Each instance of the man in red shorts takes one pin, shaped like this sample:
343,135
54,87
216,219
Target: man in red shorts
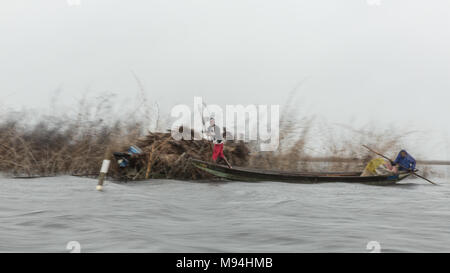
214,132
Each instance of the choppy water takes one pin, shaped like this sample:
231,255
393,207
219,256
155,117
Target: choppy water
43,215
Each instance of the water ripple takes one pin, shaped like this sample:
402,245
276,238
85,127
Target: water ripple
43,215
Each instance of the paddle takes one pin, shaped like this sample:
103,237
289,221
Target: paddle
413,172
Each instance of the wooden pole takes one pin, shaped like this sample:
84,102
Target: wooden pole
103,171
385,157
149,163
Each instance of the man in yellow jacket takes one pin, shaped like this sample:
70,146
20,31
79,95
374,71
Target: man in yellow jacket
379,166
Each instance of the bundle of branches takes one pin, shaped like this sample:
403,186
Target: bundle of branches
165,157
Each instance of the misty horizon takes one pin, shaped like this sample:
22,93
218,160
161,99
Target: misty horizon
366,62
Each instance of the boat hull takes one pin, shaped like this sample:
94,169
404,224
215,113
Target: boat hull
254,175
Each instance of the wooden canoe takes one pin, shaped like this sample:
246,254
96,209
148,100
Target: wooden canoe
257,175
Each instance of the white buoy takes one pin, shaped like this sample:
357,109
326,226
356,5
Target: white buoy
103,172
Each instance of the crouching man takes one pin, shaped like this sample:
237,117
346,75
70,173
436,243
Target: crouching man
405,161
379,166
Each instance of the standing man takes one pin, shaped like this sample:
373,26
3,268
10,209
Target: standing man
214,132
405,161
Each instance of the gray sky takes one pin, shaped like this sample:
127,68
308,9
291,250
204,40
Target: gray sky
360,61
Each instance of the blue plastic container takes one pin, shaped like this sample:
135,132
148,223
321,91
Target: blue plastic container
134,150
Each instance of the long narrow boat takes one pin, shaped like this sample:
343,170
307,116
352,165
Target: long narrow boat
256,175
